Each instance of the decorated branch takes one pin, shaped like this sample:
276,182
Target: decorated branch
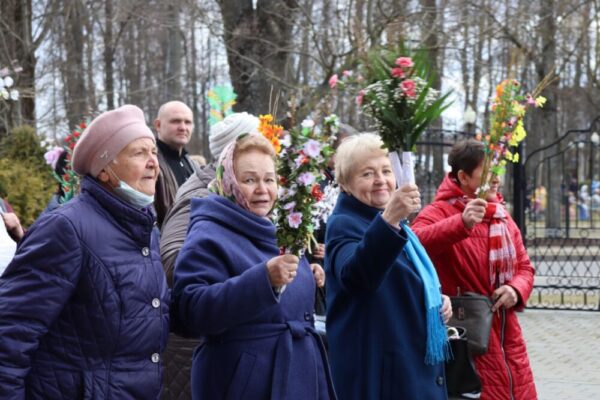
506,128
396,94
303,156
69,180
221,100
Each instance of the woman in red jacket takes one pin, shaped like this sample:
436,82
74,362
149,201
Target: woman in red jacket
476,247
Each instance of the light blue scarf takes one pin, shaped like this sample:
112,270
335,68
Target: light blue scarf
438,349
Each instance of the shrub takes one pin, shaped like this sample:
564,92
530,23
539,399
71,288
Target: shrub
24,175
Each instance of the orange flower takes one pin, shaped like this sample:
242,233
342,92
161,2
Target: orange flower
270,131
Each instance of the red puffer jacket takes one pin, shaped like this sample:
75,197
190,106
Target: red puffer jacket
460,256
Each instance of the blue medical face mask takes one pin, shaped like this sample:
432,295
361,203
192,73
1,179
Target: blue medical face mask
132,196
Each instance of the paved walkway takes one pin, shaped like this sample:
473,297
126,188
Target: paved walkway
564,350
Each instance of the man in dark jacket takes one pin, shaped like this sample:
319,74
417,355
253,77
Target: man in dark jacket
174,126
178,357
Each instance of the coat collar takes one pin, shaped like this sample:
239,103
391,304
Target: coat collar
169,152
348,203
228,214
137,223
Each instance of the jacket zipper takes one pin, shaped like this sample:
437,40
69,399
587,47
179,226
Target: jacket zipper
510,380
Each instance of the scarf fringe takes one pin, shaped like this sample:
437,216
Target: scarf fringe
438,348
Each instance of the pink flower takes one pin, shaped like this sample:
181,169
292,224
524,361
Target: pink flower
346,73
359,98
398,73
312,148
306,179
404,62
51,156
333,81
530,100
294,220
409,87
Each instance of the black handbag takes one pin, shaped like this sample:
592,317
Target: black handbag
473,312
462,379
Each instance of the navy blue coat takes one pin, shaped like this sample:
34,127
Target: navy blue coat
376,320
84,304
259,345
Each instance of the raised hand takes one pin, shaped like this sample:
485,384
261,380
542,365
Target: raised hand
474,212
403,202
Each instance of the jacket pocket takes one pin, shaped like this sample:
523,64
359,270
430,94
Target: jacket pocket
241,376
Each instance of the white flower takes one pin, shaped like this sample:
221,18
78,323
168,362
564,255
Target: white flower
282,193
308,123
286,141
4,94
289,206
332,119
8,81
14,95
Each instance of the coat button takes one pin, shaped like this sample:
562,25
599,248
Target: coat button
145,251
307,316
155,358
155,303
439,380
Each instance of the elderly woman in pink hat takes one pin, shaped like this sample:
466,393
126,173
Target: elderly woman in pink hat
84,309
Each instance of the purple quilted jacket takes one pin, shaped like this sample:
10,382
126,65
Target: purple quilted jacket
84,304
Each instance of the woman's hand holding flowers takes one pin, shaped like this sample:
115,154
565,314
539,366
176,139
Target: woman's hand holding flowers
474,212
319,251
282,269
403,202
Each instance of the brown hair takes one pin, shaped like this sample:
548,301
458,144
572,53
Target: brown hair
465,155
251,142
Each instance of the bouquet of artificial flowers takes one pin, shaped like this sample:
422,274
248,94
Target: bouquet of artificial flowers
304,152
399,99
506,128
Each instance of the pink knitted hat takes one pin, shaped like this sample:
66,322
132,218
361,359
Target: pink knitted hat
106,136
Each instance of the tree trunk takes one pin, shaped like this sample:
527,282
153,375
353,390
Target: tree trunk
258,42
174,54
109,54
546,121
73,68
18,52
431,43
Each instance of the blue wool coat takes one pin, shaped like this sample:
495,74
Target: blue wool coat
259,345
84,304
376,319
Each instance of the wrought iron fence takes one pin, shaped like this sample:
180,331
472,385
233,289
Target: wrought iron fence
561,221
431,159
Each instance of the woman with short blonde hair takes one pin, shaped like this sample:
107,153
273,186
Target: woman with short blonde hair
385,333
